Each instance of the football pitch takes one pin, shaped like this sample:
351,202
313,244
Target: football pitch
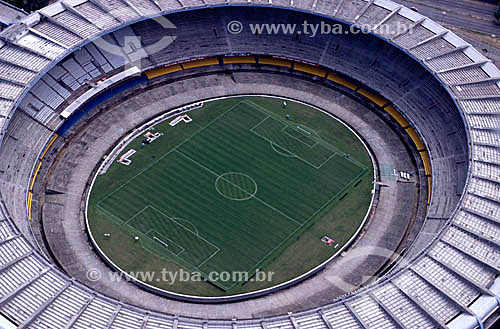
231,190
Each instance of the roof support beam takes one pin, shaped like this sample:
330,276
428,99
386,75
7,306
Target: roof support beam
450,52
100,5
486,80
161,9
338,7
479,98
53,21
363,10
180,3
15,261
293,321
77,13
483,290
431,316
13,82
80,312
47,38
461,67
388,17
13,237
145,321
479,236
445,293
27,323
5,299
356,316
134,8
488,217
325,319
32,51
6,61
386,310
113,316
434,37
416,24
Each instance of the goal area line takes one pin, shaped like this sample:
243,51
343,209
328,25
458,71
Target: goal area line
207,260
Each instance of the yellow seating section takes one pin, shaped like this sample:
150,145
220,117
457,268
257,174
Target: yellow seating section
429,183
377,99
311,69
275,61
427,162
200,63
397,116
239,60
341,81
415,138
163,71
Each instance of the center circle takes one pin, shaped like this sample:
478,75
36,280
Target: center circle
291,193
236,186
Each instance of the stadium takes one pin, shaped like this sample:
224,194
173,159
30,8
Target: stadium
360,168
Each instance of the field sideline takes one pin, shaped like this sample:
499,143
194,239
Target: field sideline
230,191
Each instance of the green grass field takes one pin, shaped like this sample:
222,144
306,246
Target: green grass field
235,190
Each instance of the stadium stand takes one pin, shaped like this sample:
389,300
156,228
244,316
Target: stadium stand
452,283
341,81
239,60
163,71
274,61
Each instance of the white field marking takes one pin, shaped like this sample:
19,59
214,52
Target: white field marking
317,167
337,194
127,222
360,165
137,214
170,218
163,243
326,160
206,260
273,146
196,133
189,222
199,237
255,197
297,156
307,221
301,141
261,122
249,195
308,133
269,253
186,228
326,144
284,148
265,203
293,232
266,111
173,242
166,249
109,213
166,154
